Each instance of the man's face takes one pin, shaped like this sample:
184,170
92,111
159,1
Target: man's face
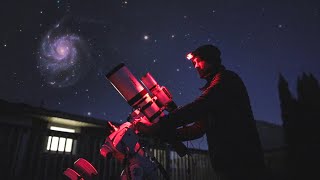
203,68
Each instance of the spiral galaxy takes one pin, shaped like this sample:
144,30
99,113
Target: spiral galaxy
63,57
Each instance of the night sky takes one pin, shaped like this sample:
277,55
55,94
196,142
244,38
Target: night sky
55,54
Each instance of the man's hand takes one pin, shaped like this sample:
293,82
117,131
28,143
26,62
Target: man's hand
161,129
146,127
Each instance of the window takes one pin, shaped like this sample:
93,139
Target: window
60,144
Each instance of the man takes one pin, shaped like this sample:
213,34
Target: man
223,113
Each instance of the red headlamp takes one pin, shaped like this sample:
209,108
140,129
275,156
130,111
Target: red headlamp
190,56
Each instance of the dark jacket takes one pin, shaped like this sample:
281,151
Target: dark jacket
224,113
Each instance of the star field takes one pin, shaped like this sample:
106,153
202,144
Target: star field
258,40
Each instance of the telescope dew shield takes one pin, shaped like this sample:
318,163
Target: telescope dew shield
149,81
133,92
126,84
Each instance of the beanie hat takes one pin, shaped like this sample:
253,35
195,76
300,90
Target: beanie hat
208,52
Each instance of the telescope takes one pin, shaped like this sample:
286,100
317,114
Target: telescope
149,101
151,105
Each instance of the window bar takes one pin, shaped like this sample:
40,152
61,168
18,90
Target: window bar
58,145
50,143
65,145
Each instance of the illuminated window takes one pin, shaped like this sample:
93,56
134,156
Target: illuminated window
60,144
